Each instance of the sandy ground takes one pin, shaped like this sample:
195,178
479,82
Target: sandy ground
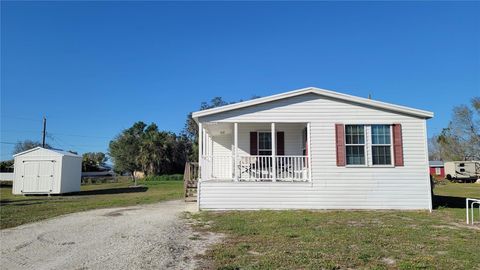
151,236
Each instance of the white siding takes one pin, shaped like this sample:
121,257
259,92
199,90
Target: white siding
332,187
71,174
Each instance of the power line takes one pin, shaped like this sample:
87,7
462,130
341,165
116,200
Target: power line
20,118
78,135
62,134
17,130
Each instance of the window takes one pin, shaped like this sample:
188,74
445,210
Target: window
264,143
438,171
355,144
381,145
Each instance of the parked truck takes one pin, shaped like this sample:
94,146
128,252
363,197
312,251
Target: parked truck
462,171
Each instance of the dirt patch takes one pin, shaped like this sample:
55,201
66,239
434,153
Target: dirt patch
117,213
458,226
389,261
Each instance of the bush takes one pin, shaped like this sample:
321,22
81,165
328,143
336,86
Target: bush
99,180
165,177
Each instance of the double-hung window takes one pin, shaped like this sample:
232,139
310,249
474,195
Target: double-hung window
381,145
355,144
378,145
264,143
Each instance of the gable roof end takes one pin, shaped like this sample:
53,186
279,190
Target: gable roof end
58,151
318,91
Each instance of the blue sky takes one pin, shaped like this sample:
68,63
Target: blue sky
94,68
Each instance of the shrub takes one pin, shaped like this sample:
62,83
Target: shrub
164,177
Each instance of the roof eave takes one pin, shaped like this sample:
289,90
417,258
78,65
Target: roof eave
27,151
322,92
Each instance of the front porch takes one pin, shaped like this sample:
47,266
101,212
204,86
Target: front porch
243,152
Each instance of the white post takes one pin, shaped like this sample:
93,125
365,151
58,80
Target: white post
466,209
200,161
210,152
309,156
235,151
274,152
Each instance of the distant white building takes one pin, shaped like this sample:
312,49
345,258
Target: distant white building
313,149
46,171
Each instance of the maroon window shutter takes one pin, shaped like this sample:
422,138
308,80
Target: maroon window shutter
253,144
280,143
397,144
340,142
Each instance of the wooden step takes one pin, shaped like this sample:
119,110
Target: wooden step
191,199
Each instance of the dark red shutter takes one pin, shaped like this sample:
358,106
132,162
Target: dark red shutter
397,144
340,144
253,144
280,143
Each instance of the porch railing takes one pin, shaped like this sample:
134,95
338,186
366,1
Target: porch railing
217,167
255,168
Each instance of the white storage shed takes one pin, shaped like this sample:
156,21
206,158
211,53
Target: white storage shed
46,171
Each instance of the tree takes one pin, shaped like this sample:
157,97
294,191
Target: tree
461,139
91,161
6,166
434,149
145,148
125,149
25,145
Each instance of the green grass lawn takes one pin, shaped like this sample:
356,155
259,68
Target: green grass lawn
17,210
348,239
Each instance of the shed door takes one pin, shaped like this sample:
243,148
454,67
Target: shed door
38,176
30,172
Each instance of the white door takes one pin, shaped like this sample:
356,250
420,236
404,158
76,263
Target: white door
45,175
30,173
38,176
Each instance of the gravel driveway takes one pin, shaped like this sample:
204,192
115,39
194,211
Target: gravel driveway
150,236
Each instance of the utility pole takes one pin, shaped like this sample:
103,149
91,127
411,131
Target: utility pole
44,131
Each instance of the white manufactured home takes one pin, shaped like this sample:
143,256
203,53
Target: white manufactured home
46,171
313,149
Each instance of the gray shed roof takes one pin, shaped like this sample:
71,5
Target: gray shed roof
58,151
435,163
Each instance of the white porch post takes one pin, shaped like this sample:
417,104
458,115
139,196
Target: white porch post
309,156
210,151
200,146
274,152
235,151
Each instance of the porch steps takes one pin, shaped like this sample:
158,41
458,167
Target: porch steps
191,195
190,179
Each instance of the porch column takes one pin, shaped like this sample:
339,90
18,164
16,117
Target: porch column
210,152
200,146
274,152
235,151
309,153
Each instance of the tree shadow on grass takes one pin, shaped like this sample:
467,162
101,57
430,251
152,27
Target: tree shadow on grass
22,202
448,201
109,191
44,198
